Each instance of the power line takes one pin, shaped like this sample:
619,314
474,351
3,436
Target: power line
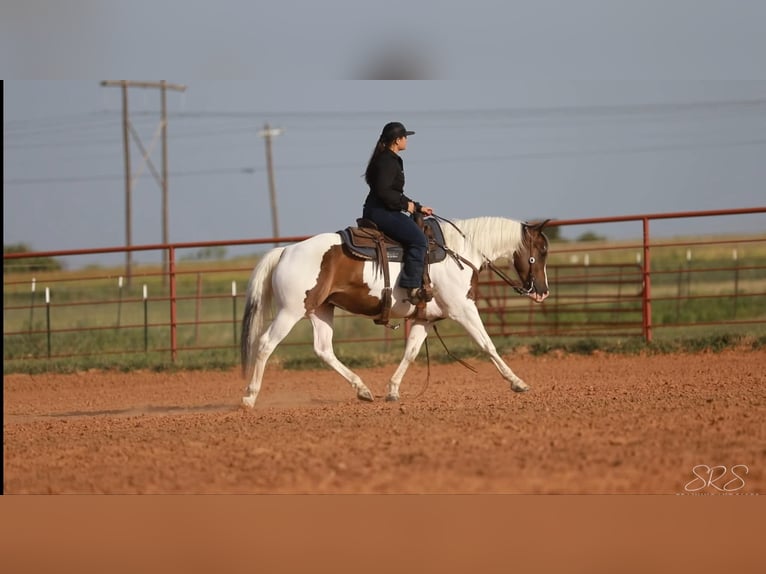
98,141
414,161
519,112
498,119
694,141
530,111
116,177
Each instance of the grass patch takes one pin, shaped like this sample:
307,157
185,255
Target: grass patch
715,343
635,346
584,347
543,347
304,359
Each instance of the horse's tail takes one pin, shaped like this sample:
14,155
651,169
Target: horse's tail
257,305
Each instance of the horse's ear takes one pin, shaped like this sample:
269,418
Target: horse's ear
539,225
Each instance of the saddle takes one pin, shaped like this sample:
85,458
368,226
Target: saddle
367,242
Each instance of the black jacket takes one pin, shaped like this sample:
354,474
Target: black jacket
386,181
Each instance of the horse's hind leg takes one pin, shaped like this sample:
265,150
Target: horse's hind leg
322,321
417,335
279,329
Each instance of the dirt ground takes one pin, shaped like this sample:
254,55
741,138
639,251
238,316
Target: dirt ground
671,424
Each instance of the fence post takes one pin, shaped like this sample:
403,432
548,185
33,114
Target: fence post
119,300
586,280
173,310
647,297
198,308
678,290
146,319
234,310
736,279
557,307
48,317
32,305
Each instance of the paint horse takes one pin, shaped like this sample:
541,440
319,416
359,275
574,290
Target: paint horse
311,278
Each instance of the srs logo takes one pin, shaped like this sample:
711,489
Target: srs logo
719,477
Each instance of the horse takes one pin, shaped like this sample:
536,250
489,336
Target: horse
309,279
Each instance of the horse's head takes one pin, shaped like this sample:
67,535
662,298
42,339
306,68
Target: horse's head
530,258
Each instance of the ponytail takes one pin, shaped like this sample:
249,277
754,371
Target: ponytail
377,150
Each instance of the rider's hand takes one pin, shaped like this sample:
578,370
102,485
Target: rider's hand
425,210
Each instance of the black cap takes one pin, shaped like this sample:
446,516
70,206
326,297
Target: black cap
393,130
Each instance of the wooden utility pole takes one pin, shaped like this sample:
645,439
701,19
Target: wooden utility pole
267,133
162,180
128,185
164,123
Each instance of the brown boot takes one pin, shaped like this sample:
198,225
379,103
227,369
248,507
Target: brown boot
417,295
414,295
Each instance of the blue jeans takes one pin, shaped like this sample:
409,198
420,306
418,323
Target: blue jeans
402,228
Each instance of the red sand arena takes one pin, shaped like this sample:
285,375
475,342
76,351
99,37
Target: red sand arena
674,424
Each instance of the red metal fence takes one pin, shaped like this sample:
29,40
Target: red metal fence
599,289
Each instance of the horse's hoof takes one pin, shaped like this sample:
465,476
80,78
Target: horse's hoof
392,398
248,402
365,395
522,388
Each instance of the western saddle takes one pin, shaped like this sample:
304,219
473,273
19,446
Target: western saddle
367,242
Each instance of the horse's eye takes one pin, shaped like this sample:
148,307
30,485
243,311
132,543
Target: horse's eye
531,260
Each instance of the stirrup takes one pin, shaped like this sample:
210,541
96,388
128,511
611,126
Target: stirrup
417,295
414,295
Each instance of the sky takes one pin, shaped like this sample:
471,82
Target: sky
527,110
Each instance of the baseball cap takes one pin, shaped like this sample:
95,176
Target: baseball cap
393,130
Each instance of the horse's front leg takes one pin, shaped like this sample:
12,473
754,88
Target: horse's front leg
470,319
418,333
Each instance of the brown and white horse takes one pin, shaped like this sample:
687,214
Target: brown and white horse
309,279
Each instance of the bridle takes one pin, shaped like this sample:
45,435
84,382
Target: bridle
487,262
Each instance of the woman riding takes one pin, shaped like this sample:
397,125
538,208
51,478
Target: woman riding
391,210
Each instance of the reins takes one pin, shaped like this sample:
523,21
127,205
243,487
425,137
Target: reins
516,287
459,259
487,262
449,354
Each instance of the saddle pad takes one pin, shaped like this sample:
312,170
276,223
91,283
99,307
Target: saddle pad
360,242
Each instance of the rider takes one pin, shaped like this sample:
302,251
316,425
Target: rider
391,210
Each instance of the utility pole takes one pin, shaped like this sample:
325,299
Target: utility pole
164,124
127,128
267,133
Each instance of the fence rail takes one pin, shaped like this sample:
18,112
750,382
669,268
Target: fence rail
599,289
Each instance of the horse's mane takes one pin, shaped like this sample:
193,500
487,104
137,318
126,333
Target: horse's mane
491,236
